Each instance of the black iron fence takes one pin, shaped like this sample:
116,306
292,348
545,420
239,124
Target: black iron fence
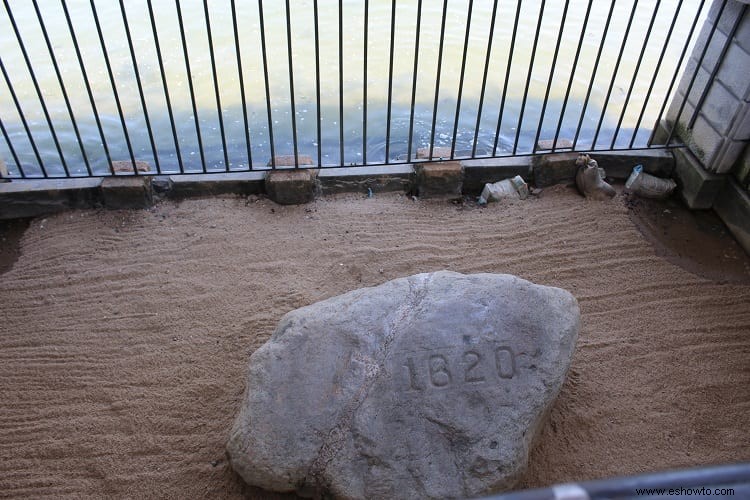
192,86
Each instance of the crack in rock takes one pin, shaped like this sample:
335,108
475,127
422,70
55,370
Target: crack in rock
341,431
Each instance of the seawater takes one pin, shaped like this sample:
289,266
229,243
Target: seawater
356,147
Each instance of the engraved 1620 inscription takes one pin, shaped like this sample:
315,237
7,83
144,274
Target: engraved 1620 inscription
444,368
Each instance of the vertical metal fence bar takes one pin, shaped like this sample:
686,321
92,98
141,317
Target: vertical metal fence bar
61,83
87,84
437,79
317,82
488,56
635,74
697,70
614,76
191,88
414,81
528,77
265,79
390,84
364,85
461,79
715,69
24,122
241,76
12,149
291,83
163,74
219,108
508,68
593,74
675,74
657,69
38,89
139,84
115,93
341,82
572,74
549,80
122,98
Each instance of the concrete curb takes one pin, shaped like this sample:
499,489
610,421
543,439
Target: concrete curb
29,198
733,207
32,197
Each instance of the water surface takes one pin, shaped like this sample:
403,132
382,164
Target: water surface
594,98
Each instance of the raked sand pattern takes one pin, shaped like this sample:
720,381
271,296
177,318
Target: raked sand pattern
124,336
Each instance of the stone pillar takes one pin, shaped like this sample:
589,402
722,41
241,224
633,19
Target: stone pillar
722,127
714,170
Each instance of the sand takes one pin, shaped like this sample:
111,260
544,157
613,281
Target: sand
124,336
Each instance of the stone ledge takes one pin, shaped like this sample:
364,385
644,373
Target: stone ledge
397,177
291,187
438,152
559,168
193,185
733,207
477,173
126,192
619,164
439,179
556,168
32,197
281,161
127,167
698,187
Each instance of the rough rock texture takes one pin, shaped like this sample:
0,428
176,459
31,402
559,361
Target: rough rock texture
430,386
127,192
126,167
291,187
439,179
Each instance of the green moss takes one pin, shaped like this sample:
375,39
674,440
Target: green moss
686,135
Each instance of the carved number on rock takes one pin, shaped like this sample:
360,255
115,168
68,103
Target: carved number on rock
506,364
438,371
413,382
440,376
472,359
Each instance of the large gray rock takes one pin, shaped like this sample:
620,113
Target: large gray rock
431,386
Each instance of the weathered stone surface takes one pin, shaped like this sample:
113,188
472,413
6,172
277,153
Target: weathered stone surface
126,167
438,152
195,185
555,168
477,173
430,386
291,187
288,160
439,179
32,197
550,144
127,192
619,164
358,179
698,187
733,206
161,184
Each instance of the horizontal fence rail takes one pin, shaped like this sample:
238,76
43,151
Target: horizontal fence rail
190,86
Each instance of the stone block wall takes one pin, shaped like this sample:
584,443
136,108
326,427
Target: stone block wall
741,171
714,170
722,128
